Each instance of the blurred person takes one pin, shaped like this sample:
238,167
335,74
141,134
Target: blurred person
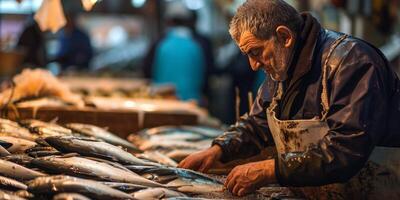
177,58
75,47
331,113
32,42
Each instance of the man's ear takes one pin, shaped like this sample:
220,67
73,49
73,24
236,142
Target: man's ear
285,36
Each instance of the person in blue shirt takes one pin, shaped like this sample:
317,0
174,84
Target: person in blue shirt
75,46
178,59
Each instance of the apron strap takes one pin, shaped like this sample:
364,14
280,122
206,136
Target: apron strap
324,95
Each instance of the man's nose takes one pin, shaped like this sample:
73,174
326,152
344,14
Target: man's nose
255,65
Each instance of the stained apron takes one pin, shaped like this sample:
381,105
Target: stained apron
379,178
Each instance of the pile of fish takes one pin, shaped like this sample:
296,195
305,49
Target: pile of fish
40,160
170,144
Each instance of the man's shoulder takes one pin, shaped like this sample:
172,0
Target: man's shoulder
352,49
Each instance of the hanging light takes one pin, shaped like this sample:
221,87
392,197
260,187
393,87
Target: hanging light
88,4
194,4
138,3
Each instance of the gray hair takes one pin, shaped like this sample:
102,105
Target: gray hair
262,17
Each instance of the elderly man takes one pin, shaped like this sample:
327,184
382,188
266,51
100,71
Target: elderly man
333,101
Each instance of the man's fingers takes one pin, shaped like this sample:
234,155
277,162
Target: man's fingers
231,184
243,191
182,164
205,166
229,177
236,189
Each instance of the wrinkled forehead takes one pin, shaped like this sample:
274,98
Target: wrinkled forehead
248,40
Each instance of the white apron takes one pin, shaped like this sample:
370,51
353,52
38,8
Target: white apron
379,177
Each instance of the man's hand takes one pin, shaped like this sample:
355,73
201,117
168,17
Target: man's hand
247,178
203,160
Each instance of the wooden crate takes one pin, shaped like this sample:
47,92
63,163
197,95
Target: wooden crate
120,122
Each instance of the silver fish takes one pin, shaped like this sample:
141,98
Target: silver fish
127,187
195,186
100,133
3,151
70,196
180,154
94,148
182,173
16,131
90,168
156,156
20,159
8,122
9,196
57,184
44,128
18,145
156,194
15,171
11,183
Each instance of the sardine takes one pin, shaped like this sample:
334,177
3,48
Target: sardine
15,171
3,152
70,196
180,154
8,196
20,159
8,183
100,133
8,122
45,128
16,131
94,148
174,144
156,194
18,145
127,187
195,186
182,173
92,189
85,167
156,156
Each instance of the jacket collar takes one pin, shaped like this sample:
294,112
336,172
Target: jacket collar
302,60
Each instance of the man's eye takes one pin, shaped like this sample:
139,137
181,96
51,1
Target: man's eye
254,52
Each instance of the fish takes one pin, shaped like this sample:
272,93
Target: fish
100,133
18,145
8,183
8,122
9,196
127,187
174,144
179,172
18,172
156,193
44,128
21,159
203,131
61,183
180,154
3,151
156,156
78,166
195,186
90,147
70,196
16,131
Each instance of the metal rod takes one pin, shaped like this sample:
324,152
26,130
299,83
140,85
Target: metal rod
237,106
250,99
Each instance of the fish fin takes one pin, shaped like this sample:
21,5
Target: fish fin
5,144
68,155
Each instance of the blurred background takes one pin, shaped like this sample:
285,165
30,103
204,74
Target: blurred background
182,43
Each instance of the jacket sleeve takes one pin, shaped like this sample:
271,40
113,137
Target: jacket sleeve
250,134
356,120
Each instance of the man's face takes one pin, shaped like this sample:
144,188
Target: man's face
268,55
